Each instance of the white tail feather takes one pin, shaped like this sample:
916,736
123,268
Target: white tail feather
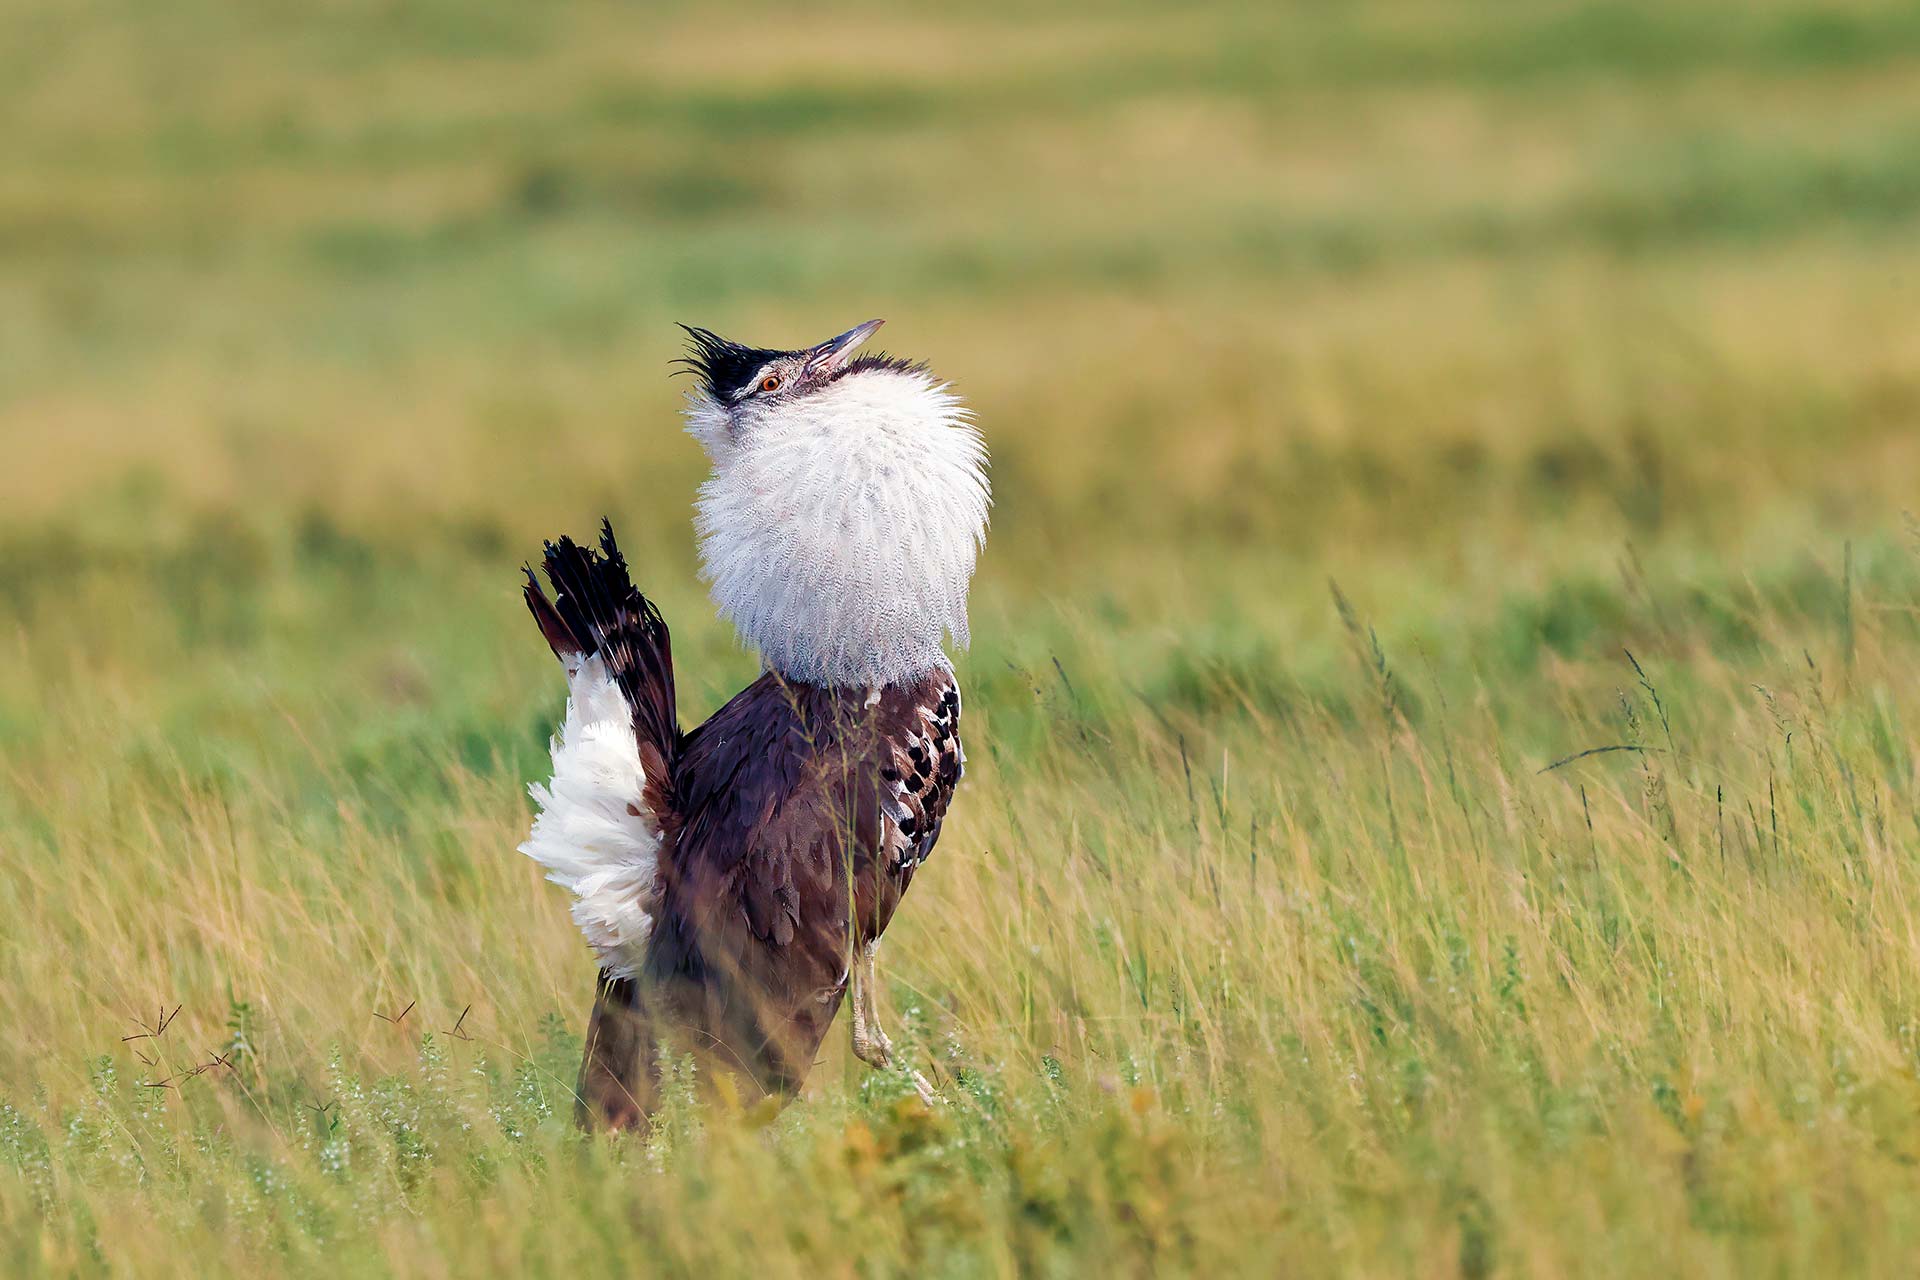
594,833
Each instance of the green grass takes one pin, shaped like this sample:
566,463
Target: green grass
1387,403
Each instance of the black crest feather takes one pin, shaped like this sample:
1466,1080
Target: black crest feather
723,365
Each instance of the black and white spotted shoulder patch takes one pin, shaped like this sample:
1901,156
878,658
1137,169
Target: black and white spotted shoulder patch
919,781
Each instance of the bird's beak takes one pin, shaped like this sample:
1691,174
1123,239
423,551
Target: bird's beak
834,352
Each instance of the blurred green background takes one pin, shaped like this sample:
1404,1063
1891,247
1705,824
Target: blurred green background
1546,330
1457,299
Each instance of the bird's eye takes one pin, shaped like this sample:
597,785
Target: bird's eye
770,383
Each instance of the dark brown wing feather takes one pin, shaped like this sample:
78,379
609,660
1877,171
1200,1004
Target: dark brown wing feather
794,848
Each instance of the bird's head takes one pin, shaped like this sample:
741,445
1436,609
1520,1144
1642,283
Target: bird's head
739,389
847,504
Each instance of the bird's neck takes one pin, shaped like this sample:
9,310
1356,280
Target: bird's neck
839,535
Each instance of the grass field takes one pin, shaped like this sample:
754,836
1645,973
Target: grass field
1389,402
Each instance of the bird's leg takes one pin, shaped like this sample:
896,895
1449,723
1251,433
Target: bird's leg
870,1043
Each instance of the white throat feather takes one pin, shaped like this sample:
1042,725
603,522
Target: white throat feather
839,529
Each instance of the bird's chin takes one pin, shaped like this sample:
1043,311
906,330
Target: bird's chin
713,424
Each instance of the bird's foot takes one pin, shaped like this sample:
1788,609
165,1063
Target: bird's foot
876,1051
871,1046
